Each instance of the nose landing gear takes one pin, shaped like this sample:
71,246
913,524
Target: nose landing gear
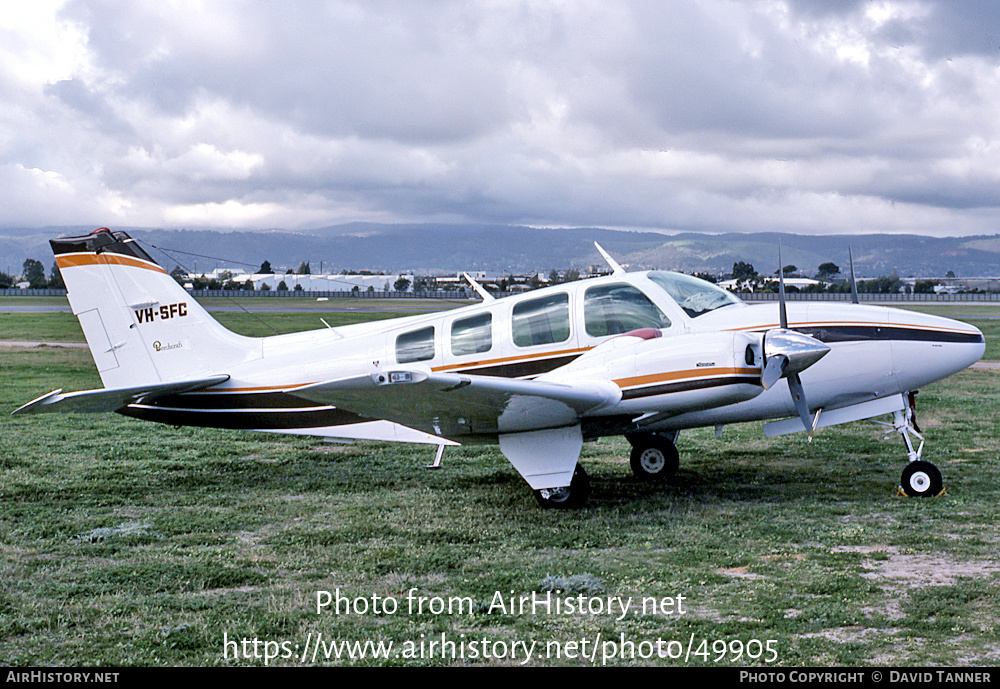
920,479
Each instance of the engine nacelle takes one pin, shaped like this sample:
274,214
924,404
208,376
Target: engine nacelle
684,372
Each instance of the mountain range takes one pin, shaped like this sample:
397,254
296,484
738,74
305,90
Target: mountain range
429,249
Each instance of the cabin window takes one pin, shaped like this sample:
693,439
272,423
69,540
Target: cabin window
473,335
541,321
417,345
619,308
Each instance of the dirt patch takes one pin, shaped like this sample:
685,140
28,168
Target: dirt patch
901,572
852,635
332,448
739,573
919,569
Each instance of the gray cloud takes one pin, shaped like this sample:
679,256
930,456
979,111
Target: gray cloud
803,115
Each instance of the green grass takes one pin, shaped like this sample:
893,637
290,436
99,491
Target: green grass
47,327
64,327
128,543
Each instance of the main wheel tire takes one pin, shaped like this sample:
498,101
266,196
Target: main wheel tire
656,460
921,479
568,497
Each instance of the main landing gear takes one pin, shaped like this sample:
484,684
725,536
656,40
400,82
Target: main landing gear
568,497
654,455
920,479
654,458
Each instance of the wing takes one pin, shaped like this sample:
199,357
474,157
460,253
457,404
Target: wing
111,399
452,404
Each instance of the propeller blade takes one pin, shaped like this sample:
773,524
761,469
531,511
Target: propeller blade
799,398
773,371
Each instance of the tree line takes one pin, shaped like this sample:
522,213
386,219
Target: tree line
33,272
748,280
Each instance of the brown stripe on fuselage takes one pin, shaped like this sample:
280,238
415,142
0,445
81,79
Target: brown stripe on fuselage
855,331
684,381
517,366
687,386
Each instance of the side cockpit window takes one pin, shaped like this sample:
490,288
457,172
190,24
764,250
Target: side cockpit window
619,308
473,335
692,294
541,321
416,345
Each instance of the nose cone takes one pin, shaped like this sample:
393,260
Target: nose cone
926,348
975,353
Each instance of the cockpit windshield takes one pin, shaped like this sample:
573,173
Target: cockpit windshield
694,295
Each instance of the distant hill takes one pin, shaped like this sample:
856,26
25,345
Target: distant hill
437,249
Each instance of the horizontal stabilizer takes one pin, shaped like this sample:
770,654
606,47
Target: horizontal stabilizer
833,417
112,399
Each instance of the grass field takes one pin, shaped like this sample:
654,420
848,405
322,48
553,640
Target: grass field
127,543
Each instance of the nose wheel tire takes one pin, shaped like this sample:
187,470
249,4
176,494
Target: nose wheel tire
655,460
921,479
568,497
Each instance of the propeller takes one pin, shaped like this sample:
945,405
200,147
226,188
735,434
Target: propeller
787,353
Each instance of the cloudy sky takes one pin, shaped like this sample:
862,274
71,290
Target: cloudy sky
806,116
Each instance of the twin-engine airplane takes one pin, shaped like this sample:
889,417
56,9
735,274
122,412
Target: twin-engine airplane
642,355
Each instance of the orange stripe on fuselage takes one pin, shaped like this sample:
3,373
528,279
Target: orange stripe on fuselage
682,375
87,259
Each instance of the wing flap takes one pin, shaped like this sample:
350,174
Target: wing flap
451,404
112,399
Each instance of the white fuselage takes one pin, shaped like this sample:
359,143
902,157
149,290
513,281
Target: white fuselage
874,352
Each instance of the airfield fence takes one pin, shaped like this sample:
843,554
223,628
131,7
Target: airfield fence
442,294
873,296
276,294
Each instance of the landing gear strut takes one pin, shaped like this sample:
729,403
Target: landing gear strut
920,479
568,497
654,456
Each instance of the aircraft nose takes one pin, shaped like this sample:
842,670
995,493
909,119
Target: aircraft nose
926,348
976,353
965,343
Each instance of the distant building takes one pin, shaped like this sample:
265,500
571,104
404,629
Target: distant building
797,283
312,283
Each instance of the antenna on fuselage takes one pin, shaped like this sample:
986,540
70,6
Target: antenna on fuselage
487,297
616,269
782,312
854,283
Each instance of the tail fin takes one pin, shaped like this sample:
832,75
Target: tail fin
142,327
